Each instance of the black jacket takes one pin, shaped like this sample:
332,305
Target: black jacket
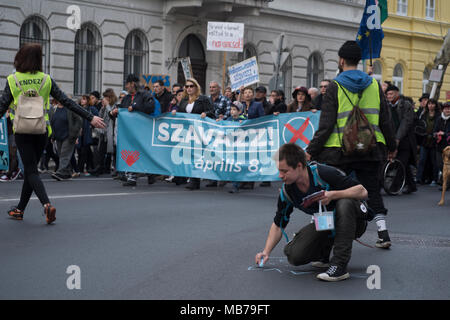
74,123
405,132
278,106
444,126
328,118
164,100
7,98
202,104
143,101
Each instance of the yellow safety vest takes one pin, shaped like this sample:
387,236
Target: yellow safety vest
369,104
30,81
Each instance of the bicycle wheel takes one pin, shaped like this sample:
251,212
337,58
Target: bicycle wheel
393,177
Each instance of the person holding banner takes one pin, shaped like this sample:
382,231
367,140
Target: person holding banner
194,102
29,78
335,191
137,100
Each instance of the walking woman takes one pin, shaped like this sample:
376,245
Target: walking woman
21,85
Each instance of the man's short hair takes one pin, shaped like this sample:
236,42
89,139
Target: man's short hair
160,82
292,154
392,88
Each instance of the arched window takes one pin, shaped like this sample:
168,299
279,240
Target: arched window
88,60
377,71
136,54
397,78
425,82
286,74
249,51
192,47
35,30
315,70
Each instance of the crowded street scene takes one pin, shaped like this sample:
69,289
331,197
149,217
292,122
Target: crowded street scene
217,152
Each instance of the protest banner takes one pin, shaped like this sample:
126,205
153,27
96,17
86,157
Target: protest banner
244,73
185,145
187,67
225,36
4,151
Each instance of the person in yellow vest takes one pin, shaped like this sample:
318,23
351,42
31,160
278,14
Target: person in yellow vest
326,145
29,76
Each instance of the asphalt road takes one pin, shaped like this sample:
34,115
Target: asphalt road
165,242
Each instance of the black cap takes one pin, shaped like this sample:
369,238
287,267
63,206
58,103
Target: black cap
392,88
350,50
261,89
132,78
424,96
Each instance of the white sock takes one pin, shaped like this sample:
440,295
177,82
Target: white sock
381,224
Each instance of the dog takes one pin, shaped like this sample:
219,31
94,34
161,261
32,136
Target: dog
445,172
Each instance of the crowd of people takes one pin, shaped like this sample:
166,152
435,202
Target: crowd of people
81,139
77,149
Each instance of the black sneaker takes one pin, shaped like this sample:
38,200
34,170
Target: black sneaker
334,273
212,184
383,242
265,184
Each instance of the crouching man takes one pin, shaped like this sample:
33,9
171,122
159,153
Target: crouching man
343,195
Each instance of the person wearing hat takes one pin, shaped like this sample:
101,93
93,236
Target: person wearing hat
403,118
326,146
136,100
94,100
423,102
261,96
302,101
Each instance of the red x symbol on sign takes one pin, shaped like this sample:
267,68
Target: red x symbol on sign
298,134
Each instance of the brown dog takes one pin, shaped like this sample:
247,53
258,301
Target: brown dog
445,172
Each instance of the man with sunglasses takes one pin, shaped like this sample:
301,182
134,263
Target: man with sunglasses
317,102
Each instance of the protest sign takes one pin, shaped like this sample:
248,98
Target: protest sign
225,36
185,145
149,79
187,67
244,73
4,151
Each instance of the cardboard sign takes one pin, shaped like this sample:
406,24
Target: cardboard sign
225,36
244,73
147,80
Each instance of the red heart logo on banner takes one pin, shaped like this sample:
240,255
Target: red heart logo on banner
130,157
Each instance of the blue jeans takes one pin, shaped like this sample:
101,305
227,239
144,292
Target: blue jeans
427,154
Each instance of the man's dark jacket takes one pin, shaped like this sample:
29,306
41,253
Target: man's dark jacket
164,99
143,102
328,118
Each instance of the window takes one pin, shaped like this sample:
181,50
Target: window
136,54
377,71
249,51
35,30
315,70
430,9
425,82
402,7
88,60
397,78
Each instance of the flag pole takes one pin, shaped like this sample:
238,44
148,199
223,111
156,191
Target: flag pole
370,47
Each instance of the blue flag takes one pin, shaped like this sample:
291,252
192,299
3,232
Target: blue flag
370,35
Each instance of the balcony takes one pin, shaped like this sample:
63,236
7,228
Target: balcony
219,9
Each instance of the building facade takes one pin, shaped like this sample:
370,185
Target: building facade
112,38
414,33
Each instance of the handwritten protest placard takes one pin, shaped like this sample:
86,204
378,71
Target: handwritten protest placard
225,36
244,73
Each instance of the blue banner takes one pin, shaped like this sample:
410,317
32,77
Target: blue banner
4,151
185,145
